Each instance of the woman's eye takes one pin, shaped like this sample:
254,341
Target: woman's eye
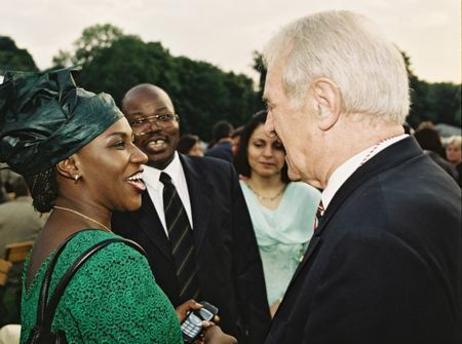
119,144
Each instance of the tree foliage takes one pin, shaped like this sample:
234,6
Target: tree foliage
92,40
13,58
436,102
201,92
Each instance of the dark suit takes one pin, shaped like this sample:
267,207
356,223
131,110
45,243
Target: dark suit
384,264
221,150
229,265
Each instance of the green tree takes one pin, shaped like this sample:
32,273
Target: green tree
126,63
443,101
13,58
201,92
259,66
92,40
436,102
418,92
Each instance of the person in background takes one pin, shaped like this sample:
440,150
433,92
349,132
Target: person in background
193,222
430,141
454,154
236,139
3,194
7,179
408,128
221,144
282,212
190,145
81,173
19,221
384,264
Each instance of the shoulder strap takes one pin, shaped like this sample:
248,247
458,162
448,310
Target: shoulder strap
46,311
43,296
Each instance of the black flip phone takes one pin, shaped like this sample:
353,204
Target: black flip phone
192,326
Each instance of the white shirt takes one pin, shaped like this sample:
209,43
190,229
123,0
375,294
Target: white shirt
345,170
155,187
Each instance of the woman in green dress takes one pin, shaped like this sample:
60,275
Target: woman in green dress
76,151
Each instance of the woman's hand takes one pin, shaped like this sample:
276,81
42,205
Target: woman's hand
208,335
183,309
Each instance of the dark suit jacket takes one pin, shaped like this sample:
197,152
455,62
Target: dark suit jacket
229,265
221,150
384,264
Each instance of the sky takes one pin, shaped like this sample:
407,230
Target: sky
226,32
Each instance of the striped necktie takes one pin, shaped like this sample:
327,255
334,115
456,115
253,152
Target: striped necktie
181,241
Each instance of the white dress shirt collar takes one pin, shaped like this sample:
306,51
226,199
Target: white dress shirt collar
151,175
175,170
344,171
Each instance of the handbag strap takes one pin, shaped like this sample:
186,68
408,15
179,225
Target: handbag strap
46,311
43,296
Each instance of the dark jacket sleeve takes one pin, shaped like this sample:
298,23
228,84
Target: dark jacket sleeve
251,290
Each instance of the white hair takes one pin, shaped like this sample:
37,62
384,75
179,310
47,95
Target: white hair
344,47
455,140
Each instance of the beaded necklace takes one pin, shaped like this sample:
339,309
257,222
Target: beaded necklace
266,198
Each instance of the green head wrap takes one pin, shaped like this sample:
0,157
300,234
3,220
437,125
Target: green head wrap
45,118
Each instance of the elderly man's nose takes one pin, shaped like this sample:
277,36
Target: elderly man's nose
269,126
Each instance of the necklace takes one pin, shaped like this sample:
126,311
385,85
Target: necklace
266,198
106,228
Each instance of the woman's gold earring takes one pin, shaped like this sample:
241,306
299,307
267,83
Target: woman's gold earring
76,178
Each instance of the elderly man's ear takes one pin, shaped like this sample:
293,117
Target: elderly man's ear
327,101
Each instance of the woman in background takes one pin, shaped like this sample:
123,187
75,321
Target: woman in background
454,154
282,212
190,145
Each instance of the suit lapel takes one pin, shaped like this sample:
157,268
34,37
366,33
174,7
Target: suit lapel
199,194
388,158
150,224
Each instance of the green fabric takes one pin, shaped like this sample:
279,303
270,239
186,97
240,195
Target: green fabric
113,298
44,118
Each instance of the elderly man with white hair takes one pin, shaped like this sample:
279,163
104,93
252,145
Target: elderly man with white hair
385,262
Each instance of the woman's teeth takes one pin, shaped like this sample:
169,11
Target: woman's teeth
136,177
137,181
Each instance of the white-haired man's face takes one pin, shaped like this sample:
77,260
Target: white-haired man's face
294,126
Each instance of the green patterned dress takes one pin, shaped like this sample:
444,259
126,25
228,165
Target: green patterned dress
113,298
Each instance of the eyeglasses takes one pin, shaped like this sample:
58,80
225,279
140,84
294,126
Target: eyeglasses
140,125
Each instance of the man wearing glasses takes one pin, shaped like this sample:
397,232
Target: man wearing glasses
193,224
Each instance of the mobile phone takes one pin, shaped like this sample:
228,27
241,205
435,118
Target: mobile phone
192,326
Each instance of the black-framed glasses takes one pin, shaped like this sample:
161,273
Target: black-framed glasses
140,124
